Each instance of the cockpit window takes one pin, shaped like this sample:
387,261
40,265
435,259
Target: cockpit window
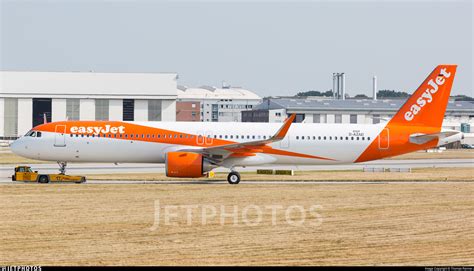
33,134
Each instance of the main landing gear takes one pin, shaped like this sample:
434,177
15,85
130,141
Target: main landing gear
233,177
62,167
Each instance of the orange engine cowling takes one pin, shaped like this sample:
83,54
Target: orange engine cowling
186,165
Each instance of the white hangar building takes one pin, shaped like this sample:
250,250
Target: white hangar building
25,97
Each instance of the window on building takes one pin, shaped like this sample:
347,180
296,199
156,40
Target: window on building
128,110
353,118
154,110
337,118
101,109
72,109
375,119
299,118
10,113
316,118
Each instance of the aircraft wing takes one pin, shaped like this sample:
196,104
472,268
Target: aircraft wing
249,148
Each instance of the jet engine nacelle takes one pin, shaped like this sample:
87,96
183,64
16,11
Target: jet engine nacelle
186,165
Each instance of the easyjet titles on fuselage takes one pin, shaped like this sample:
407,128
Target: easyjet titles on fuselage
96,130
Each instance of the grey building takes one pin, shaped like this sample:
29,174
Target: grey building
320,110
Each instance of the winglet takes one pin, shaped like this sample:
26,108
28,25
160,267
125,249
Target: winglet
284,129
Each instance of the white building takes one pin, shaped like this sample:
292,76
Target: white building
25,97
220,104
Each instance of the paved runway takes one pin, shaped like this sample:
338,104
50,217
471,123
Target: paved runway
95,168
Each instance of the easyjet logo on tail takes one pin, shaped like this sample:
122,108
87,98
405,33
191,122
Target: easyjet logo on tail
97,129
426,97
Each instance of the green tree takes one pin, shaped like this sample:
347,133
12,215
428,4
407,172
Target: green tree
386,93
314,93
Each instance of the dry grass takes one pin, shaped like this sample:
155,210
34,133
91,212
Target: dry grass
11,158
362,224
421,174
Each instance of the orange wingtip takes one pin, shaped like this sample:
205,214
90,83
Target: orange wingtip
286,126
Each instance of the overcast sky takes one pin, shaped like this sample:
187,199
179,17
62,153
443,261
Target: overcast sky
270,47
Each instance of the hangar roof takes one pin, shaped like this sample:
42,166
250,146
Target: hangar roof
206,92
350,104
83,84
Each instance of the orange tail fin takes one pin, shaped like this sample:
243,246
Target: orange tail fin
422,113
426,107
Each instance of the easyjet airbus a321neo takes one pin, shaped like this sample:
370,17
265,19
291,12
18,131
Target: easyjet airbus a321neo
191,149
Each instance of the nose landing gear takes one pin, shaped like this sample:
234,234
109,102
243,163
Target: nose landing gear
62,167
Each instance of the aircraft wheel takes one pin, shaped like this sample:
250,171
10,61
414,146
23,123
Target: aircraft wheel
233,177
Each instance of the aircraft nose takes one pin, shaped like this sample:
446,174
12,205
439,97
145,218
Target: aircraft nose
15,147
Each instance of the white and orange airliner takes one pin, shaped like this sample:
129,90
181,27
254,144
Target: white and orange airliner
191,149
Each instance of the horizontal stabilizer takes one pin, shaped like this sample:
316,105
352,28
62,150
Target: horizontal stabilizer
423,138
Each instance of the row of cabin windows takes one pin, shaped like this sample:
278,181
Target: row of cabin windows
333,138
219,136
170,136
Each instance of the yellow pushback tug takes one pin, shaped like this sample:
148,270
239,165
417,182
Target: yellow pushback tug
25,174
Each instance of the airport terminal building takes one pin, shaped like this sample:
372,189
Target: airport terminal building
26,97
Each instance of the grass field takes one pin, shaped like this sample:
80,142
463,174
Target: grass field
362,224
424,223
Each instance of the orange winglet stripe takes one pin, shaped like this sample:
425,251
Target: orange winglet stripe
286,126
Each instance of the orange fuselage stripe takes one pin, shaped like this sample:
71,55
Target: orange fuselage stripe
150,134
